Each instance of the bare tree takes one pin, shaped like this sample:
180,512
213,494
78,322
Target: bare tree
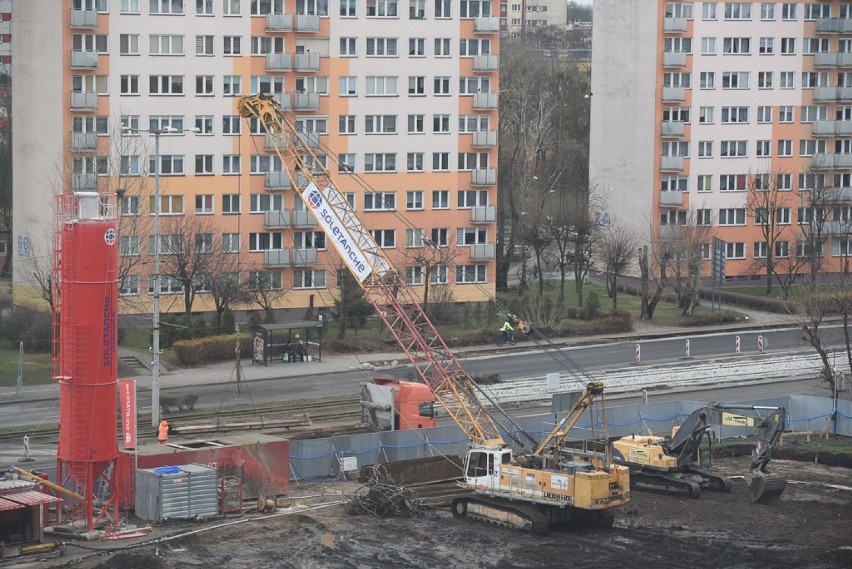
435,261
768,204
265,289
615,252
813,309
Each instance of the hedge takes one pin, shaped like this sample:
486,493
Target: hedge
756,302
210,349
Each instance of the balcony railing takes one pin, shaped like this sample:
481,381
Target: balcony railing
836,227
275,258
6,27
484,177
277,181
839,195
484,101
82,141
482,252
833,59
671,199
279,62
483,214
486,63
84,19
279,22
307,23
829,94
304,257
484,139
311,139
84,59
672,129
674,59
671,163
284,99
832,128
81,182
277,219
486,25
84,101
674,25
303,218
674,94
833,25
306,101
829,161
307,62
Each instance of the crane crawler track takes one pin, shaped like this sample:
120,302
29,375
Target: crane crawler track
512,515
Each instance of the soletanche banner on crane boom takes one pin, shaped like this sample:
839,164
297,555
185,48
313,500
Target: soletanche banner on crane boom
337,233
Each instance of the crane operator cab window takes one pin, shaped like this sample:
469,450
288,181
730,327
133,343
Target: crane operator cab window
479,464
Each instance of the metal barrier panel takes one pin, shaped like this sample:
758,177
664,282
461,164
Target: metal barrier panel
312,458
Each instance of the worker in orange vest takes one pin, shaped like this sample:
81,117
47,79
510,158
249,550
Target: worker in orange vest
163,433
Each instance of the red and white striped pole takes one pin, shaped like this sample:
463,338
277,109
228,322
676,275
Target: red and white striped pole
738,344
760,344
687,348
638,354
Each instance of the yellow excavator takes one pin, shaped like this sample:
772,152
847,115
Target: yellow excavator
673,463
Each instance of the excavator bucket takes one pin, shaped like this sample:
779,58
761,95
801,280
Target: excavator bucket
766,488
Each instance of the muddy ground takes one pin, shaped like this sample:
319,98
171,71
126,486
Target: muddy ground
809,526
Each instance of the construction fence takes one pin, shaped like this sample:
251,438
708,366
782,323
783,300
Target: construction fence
319,459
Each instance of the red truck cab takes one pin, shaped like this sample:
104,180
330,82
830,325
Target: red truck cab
414,404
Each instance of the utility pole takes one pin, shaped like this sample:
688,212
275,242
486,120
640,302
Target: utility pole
155,317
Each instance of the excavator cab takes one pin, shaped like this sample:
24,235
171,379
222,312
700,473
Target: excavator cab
482,467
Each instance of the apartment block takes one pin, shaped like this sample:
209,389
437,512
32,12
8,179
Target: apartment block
526,15
697,105
399,94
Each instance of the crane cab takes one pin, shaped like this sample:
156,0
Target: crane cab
482,467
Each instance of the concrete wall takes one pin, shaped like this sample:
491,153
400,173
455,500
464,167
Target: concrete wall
37,103
624,99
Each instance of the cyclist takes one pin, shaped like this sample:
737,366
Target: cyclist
507,330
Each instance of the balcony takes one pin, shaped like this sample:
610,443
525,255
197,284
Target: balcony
482,252
5,27
84,182
484,101
830,161
311,139
277,181
84,101
674,59
835,227
670,129
84,59
483,214
303,218
306,101
276,258
279,62
276,219
84,141
279,23
84,19
486,25
484,177
671,199
829,94
839,195
307,23
284,99
671,163
486,63
832,128
833,59
674,25
833,25
674,94
307,62
484,139
304,257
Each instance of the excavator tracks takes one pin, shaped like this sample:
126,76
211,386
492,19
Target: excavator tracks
515,516
665,483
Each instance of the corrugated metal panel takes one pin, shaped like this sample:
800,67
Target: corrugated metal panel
188,493
31,498
9,505
15,485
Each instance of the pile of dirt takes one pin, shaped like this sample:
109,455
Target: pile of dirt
134,560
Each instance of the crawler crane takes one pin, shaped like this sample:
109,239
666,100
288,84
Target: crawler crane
530,492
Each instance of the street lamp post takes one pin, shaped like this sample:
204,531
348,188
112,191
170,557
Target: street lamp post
155,316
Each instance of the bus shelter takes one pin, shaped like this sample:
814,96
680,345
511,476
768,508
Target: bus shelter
288,343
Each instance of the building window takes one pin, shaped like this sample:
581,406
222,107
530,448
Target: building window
129,285
708,46
231,164
416,124
417,47
417,85
734,115
170,164
442,85
265,163
764,148
732,216
414,276
231,85
788,11
230,242
129,7
379,201
705,149
441,124
811,147
348,86
165,45
787,79
440,161
735,250
204,45
788,46
442,47
231,125
764,80
736,46
472,198
348,47
737,10
735,80
708,10
165,85
767,46
204,124
346,124
312,278
705,183
382,9
345,163
204,85
166,6
785,148
381,85
705,115
440,199
703,217
203,164
707,80
380,162
812,113
733,149
470,274
764,114
438,275
129,245
348,8
414,162
128,44
386,238
380,124
231,203
382,47
129,85
732,183
265,241
261,203
414,200
767,11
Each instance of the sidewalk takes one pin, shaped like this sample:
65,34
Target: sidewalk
223,372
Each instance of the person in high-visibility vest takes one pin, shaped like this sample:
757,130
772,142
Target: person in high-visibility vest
507,331
163,433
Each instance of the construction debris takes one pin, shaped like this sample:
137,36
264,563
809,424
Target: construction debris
381,497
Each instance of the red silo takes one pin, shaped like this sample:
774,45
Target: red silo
85,349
